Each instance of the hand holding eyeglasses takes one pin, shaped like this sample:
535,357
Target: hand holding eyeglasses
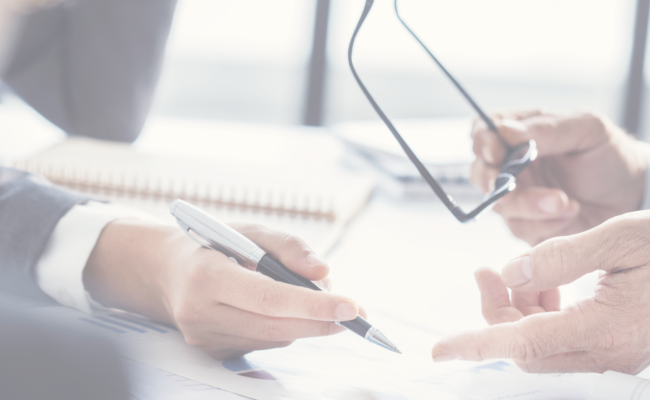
516,158
588,170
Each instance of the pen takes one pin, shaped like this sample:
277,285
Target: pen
220,237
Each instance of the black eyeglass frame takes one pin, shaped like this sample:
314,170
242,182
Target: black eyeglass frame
517,158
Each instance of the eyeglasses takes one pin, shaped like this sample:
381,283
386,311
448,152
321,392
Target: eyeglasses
516,160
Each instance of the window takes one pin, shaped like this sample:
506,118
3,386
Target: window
248,60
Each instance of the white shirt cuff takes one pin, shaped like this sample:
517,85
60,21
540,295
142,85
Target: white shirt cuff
645,202
59,272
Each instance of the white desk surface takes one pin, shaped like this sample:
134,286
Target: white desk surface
408,258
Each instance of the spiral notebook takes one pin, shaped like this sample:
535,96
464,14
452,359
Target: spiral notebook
316,209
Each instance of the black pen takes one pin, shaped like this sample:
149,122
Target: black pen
220,237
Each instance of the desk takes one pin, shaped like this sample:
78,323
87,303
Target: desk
414,260
406,259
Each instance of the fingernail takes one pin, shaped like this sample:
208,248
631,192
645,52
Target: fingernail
346,312
514,124
313,260
446,357
517,272
549,204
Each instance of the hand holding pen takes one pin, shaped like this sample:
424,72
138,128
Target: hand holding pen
215,235
220,307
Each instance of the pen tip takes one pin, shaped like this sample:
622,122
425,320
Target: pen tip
397,351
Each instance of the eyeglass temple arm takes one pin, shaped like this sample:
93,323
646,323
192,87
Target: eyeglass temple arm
488,121
444,197
451,205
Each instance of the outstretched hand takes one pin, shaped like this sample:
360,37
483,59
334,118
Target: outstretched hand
608,331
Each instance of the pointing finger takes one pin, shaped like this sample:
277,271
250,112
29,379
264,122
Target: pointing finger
259,294
529,339
236,322
495,300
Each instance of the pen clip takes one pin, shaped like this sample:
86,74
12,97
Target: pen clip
195,236
212,234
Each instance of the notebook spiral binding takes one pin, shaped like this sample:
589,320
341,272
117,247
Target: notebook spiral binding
122,184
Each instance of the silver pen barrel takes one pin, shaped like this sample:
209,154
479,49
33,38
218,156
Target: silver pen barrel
218,235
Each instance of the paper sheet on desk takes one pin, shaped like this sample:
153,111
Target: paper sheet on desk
336,367
150,383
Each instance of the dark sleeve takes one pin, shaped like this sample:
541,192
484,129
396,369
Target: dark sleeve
91,66
30,209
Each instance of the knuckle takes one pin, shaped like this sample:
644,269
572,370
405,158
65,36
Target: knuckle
290,241
624,241
605,341
594,331
195,275
597,124
266,301
271,330
185,314
327,328
559,254
313,309
525,350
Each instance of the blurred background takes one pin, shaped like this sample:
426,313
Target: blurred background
266,61
250,60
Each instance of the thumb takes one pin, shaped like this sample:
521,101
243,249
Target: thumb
290,250
562,260
559,135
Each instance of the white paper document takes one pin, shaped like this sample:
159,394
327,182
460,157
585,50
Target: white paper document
337,367
150,383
